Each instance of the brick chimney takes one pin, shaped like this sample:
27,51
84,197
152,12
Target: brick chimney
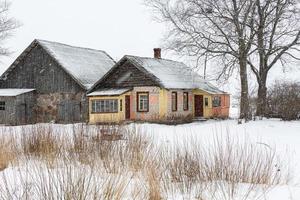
157,53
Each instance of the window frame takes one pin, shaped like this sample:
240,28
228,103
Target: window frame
206,101
219,99
2,105
138,94
121,105
103,105
185,101
174,109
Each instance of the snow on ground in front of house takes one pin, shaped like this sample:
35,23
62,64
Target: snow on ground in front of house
285,136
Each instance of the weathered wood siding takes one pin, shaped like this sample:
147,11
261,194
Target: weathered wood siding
19,110
8,115
53,85
127,75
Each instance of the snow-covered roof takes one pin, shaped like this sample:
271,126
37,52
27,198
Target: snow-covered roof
85,65
174,75
109,92
12,92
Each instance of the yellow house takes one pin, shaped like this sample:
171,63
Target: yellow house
150,89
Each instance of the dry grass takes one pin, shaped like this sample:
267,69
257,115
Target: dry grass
7,154
81,164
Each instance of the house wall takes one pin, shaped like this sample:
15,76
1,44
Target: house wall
207,110
169,113
223,110
160,106
154,104
55,88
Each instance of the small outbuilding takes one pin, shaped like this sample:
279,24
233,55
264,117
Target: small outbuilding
17,106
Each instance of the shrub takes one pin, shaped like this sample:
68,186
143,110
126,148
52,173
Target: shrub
283,100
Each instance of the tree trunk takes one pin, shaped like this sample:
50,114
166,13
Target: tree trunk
261,97
244,100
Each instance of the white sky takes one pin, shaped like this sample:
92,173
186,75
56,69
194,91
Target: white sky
117,26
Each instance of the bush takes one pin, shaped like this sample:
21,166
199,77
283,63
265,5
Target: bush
283,100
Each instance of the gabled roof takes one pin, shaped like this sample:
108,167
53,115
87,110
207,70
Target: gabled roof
169,74
109,92
12,92
84,65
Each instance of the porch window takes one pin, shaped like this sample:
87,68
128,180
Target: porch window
105,106
142,101
206,102
2,105
121,105
174,101
185,101
216,101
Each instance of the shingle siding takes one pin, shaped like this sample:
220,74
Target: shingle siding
126,75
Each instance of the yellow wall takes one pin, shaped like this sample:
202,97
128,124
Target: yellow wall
163,103
207,110
107,117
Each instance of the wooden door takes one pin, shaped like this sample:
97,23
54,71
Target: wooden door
21,114
198,99
69,112
127,107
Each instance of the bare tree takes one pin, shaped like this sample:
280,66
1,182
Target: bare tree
7,26
277,40
226,25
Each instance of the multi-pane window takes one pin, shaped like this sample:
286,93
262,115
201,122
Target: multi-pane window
206,102
142,102
185,101
2,105
105,106
174,101
216,101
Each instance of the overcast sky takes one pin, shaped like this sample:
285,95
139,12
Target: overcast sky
117,26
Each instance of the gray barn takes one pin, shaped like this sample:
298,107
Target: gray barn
17,106
60,75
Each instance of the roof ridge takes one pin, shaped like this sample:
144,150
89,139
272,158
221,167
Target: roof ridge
72,46
157,59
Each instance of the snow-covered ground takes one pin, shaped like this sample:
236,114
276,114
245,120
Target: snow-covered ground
285,136
282,137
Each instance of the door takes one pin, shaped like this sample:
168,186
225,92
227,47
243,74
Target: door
69,112
21,114
198,99
127,107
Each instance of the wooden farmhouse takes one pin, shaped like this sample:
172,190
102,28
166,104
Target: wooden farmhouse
49,81
54,82
151,89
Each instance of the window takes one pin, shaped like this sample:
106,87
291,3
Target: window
216,102
2,105
142,101
174,101
121,105
105,106
206,101
185,101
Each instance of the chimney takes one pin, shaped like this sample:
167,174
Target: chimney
157,53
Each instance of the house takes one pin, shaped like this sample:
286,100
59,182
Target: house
150,89
51,80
